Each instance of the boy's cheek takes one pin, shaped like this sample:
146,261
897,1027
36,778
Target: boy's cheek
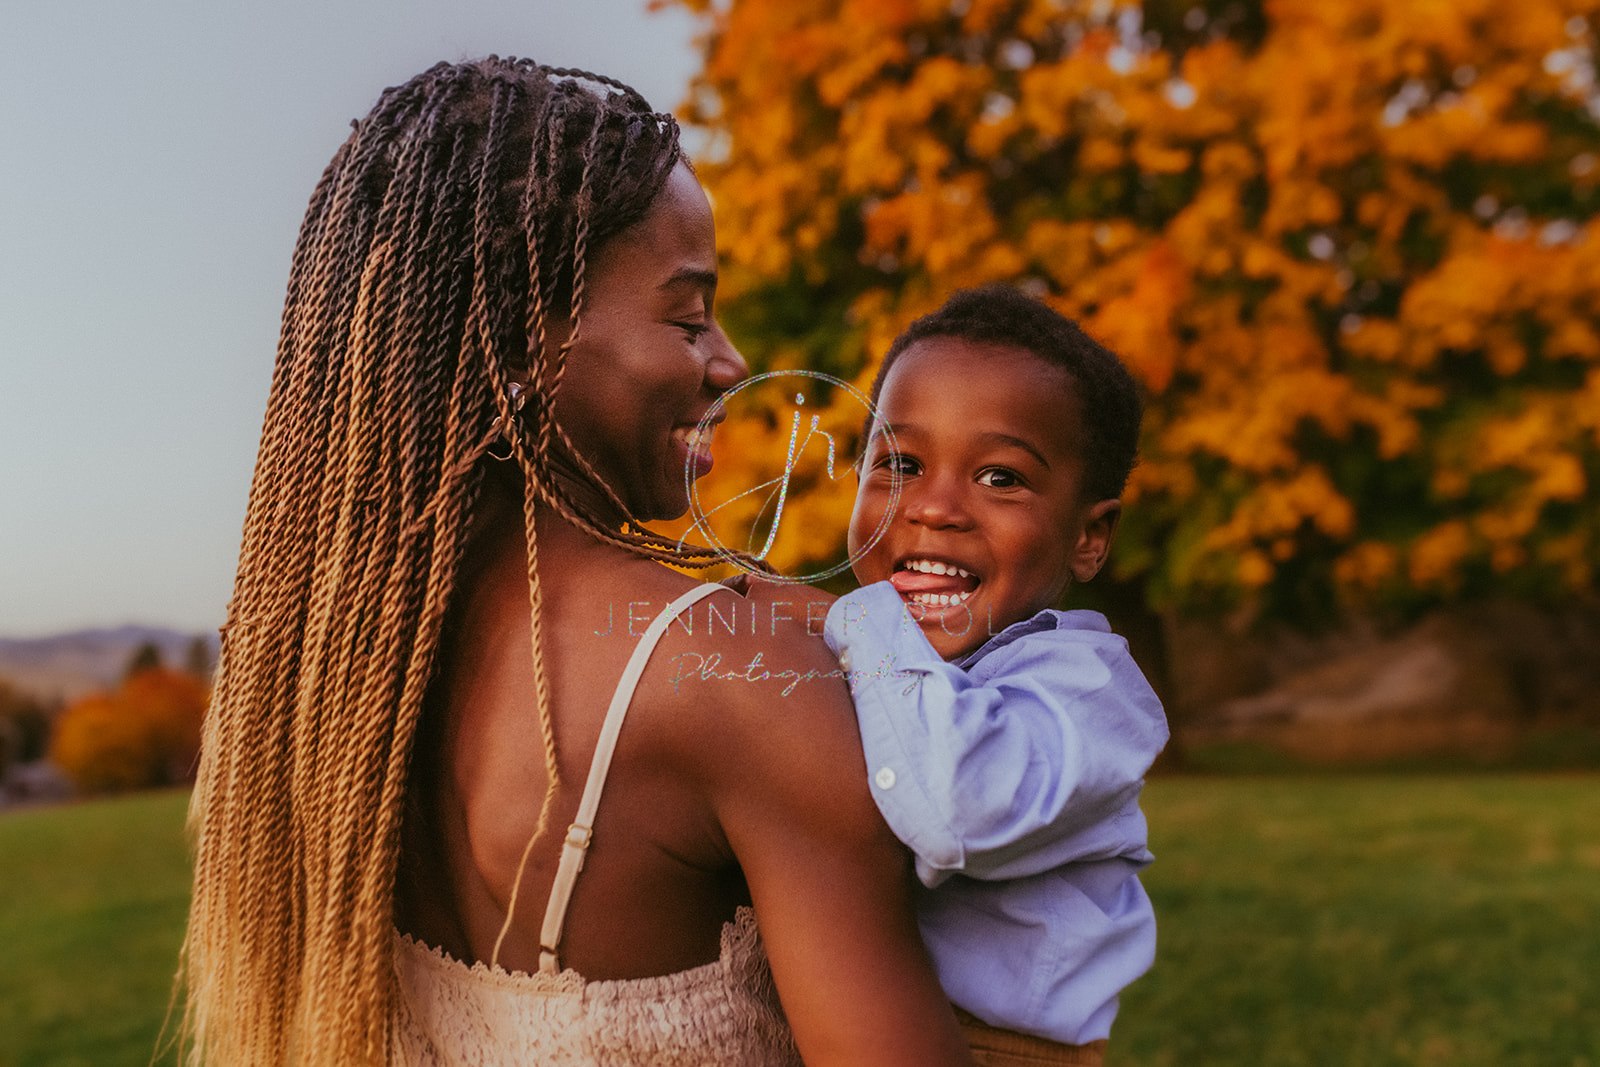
874,564
871,567
864,519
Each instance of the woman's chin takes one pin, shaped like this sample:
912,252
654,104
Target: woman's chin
672,497
668,503
671,512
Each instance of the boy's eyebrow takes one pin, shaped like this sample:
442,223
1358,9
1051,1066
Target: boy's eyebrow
1016,442
912,430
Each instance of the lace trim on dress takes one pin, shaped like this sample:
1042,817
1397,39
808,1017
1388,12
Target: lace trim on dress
740,946
726,1012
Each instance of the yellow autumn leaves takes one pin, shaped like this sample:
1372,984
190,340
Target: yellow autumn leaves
1353,254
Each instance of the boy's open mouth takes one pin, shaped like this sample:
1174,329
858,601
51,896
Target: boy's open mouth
934,583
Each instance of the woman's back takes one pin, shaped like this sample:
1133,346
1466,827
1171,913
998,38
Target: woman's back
726,1010
659,880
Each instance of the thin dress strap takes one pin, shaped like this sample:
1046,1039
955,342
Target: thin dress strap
581,832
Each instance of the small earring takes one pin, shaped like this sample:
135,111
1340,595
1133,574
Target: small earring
501,449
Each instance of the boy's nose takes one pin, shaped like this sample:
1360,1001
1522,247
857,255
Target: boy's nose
935,506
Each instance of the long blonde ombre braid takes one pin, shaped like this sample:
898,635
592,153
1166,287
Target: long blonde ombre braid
449,233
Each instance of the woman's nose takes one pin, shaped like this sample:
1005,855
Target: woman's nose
726,368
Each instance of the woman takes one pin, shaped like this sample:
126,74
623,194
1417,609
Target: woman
497,342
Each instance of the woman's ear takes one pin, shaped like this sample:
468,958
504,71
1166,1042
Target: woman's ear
1094,539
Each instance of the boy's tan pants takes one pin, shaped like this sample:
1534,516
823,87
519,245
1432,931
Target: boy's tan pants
994,1047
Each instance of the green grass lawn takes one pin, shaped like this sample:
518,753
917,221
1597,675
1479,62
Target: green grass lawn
92,903
1345,921
1366,920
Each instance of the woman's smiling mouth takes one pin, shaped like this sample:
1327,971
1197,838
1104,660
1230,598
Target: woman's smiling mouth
695,441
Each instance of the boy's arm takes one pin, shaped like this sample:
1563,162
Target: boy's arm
1035,767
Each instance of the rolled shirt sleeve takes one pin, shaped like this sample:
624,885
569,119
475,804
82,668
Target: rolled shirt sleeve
1031,758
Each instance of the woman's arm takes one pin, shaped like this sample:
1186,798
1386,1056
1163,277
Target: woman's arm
830,884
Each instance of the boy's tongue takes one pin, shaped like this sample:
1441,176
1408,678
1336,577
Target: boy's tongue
906,582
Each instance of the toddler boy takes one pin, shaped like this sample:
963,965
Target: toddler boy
1006,741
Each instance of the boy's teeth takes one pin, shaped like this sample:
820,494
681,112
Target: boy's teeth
931,566
939,600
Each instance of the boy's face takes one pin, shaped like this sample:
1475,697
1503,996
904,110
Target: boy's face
991,462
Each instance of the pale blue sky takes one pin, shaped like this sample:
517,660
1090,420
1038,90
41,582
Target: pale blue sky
155,159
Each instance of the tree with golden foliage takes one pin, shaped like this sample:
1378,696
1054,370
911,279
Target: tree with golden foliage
144,734
1350,249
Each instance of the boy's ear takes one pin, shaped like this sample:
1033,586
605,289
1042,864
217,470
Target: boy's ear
1094,542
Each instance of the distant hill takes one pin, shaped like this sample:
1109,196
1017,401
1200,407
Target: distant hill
66,666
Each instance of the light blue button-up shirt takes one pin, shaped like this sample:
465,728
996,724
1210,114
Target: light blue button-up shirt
1014,776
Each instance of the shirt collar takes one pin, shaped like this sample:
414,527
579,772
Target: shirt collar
1048,619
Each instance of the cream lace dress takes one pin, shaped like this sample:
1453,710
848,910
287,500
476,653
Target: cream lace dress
721,1014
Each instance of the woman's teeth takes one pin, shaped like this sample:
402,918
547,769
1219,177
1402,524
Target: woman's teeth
694,438
931,566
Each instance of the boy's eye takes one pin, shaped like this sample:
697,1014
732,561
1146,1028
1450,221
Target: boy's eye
899,463
999,478
694,330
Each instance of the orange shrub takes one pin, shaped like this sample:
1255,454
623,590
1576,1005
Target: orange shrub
144,734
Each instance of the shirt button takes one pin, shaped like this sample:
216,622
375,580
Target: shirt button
884,778
844,659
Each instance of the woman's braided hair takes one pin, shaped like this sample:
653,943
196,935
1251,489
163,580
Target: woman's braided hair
446,238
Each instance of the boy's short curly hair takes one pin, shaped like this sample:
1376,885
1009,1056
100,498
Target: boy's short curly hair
1108,398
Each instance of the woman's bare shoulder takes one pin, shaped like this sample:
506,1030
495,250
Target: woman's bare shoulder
752,647
748,672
